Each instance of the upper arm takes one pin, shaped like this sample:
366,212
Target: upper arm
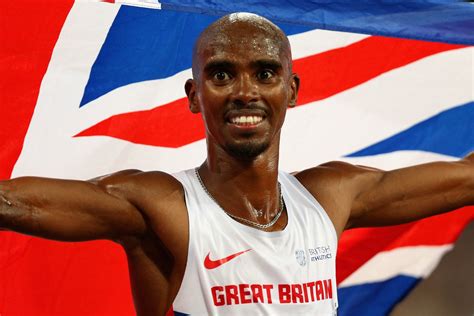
70,210
359,196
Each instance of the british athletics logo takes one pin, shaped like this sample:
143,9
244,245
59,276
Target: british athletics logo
314,254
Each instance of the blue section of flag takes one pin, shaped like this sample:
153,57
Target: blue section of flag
432,20
449,133
374,299
145,44
180,314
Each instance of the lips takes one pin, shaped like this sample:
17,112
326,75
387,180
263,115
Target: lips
245,118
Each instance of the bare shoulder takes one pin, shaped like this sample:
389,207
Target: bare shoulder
157,195
336,185
335,172
136,184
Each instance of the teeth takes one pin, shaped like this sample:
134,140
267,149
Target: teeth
246,120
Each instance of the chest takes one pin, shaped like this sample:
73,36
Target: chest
241,265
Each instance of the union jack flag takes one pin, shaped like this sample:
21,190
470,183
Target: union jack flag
92,88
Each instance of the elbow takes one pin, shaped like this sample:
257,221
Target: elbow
4,200
471,177
16,209
5,204
468,161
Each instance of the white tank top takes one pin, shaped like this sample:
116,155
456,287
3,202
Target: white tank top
234,269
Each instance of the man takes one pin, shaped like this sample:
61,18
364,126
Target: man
235,236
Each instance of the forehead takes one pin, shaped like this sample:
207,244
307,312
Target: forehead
242,39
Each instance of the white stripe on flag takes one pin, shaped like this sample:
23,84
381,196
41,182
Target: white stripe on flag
416,261
318,41
139,96
380,108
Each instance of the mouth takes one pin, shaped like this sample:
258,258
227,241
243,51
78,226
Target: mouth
246,118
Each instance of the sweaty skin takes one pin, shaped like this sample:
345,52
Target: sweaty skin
242,85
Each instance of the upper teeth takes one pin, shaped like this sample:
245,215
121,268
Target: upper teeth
246,119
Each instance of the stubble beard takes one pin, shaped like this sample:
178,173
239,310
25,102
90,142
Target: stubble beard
247,150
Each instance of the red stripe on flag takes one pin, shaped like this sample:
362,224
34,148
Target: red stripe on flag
43,277
29,30
40,277
170,125
326,74
357,246
322,75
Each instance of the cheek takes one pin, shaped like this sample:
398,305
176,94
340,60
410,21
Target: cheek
279,96
208,98
214,95
211,104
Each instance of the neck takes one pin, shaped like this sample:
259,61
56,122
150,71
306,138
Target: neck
260,172
244,188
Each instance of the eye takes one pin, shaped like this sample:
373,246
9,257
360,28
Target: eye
221,76
265,75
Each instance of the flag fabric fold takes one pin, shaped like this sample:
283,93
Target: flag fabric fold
431,20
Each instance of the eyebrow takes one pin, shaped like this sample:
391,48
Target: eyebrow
218,64
261,63
267,63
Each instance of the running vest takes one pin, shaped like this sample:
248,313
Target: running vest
234,269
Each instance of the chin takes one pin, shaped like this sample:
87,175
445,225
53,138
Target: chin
247,150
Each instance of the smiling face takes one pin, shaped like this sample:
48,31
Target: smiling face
242,83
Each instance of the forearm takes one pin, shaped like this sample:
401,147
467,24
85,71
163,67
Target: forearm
62,209
12,215
470,162
413,193
38,207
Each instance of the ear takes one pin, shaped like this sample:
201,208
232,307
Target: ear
294,86
190,88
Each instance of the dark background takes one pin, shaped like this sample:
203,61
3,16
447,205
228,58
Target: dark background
449,291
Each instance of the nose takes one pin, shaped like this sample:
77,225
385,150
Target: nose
245,90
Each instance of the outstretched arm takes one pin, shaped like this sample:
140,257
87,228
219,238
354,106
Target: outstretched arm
69,210
358,196
408,194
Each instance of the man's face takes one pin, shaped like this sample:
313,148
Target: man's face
242,86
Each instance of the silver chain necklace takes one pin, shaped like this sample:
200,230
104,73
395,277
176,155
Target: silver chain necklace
244,220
